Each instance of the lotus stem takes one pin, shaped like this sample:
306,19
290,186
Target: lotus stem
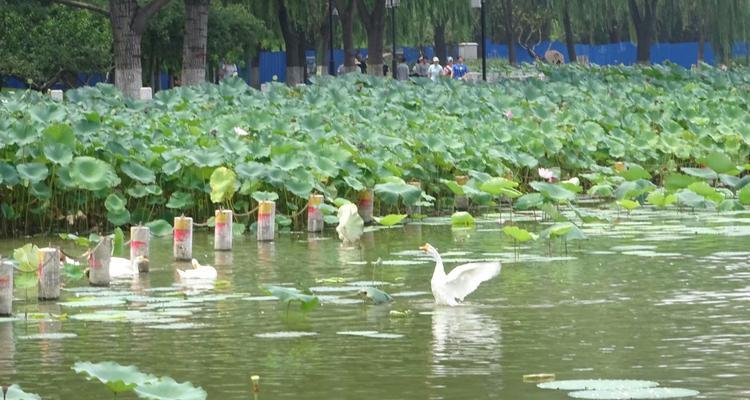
256,383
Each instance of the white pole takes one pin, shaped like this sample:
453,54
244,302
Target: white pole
223,230
139,245
266,220
98,261
6,288
314,216
183,238
365,204
49,274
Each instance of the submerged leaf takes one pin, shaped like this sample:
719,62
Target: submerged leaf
118,378
462,219
376,295
289,295
167,388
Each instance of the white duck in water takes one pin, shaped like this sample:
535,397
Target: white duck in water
120,267
203,272
351,226
451,289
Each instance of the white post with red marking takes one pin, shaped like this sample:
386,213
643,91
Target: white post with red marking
365,204
266,220
49,274
314,216
98,261
223,230
183,238
6,288
139,245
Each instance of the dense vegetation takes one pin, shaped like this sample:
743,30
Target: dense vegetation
98,157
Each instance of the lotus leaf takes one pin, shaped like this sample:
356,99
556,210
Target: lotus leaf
118,378
265,196
518,234
674,182
92,174
660,198
639,393
223,184
462,219
703,189
114,202
180,200
628,204
8,174
33,172
731,205
553,192
160,227
307,301
564,230
630,189
500,186
597,384
529,201
376,295
168,389
58,153
720,163
391,219
138,172
691,199
391,192
635,172
703,173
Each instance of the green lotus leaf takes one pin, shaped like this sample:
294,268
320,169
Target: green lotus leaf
92,174
160,228
564,230
251,170
33,172
720,163
553,192
462,219
630,189
495,186
454,187
171,167
73,272
58,153
27,257
601,190
115,202
307,301
137,191
300,183
118,378
375,295
659,198
25,280
167,388
705,190
391,219
8,175
744,195
41,191
688,198
238,229
223,184
675,182
354,183
703,173
529,201
391,192
60,134
731,205
23,134
628,204
16,393
729,180
180,200
597,384
154,190
118,217
635,172
640,393
138,172
519,234
265,196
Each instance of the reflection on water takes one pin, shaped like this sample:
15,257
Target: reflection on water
465,341
7,352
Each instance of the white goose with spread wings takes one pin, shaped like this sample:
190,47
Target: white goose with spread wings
452,288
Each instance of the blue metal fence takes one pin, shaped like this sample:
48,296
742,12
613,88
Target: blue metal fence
273,64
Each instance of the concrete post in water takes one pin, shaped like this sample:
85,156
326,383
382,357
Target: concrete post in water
365,204
266,220
461,203
49,274
6,289
413,210
146,93
139,245
98,260
183,238
56,94
223,230
314,216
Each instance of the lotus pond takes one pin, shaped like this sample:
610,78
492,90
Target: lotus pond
659,295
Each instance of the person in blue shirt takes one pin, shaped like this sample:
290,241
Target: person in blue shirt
460,69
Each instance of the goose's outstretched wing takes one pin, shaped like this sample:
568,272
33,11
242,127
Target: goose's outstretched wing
464,279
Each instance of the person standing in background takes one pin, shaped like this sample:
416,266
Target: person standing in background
402,69
448,69
435,69
421,68
460,69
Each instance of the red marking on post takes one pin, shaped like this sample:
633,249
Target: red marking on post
221,225
94,263
180,235
137,244
4,282
264,217
363,203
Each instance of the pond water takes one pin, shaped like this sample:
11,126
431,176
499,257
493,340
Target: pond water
660,296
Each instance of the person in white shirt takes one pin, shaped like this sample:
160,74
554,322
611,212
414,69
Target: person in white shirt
435,69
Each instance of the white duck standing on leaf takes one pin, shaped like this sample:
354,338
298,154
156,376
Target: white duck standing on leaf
124,268
451,289
351,226
199,272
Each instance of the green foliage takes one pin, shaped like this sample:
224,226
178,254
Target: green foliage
118,378
462,219
518,234
307,300
223,184
375,295
391,219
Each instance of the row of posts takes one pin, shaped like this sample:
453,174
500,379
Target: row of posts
98,259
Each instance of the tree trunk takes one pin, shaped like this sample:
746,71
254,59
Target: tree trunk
195,40
374,22
127,44
346,10
509,34
644,28
255,73
569,41
440,46
295,53
701,45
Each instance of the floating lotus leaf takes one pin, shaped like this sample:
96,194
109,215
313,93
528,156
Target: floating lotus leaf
92,174
16,393
391,192
223,184
307,301
597,384
168,389
391,219
118,378
640,393
138,172
33,172
462,219
518,234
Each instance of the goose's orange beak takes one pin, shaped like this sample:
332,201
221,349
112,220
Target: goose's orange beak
424,247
